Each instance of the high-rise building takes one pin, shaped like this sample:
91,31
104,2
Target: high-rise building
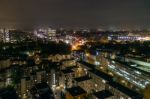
4,35
41,33
51,34
17,35
1,35
46,33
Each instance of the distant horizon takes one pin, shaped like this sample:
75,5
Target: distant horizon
77,28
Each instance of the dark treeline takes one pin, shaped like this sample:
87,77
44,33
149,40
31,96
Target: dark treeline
44,48
139,48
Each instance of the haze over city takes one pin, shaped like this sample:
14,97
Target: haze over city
105,14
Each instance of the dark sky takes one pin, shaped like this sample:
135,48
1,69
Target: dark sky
75,13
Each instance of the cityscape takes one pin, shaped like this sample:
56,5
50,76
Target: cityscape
79,49
74,64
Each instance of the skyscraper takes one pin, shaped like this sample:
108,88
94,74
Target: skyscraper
1,35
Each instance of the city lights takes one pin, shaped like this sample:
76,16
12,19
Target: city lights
74,49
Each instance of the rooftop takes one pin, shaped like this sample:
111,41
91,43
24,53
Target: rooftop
27,78
97,72
102,74
103,94
41,85
75,91
8,93
87,64
83,78
125,90
42,90
67,71
71,67
67,59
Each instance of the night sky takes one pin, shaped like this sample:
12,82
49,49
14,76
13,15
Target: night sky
75,13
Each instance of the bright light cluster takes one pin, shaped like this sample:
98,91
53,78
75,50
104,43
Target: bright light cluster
130,75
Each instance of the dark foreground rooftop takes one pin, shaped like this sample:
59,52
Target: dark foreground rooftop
102,75
41,91
83,78
75,91
103,94
67,71
8,93
71,67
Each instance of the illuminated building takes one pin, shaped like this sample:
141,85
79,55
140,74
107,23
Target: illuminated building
7,36
68,75
129,38
130,68
68,62
85,82
23,87
138,79
1,35
4,35
97,58
40,75
124,38
46,33
52,34
11,35
53,79
107,82
41,33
